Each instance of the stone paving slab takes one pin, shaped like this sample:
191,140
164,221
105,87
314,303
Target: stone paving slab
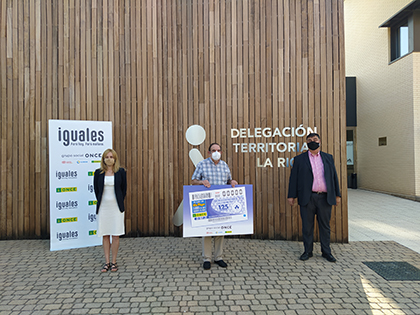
164,275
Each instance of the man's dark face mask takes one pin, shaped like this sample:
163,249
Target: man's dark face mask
313,145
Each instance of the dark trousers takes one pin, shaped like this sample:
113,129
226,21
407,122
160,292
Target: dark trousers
318,206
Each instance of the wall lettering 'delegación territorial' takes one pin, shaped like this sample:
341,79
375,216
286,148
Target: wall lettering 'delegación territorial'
270,145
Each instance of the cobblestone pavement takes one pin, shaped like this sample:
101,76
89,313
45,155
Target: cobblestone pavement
164,275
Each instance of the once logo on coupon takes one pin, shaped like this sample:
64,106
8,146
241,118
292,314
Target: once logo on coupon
80,137
68,235
91,217
66,205
93,232
66,174
66,220
65,189
93,155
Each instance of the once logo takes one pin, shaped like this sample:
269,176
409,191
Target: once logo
66,220
93,232
91,173
92,202
68,137
65,189
93,155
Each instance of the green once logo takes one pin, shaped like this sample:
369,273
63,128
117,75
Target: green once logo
93,232
65,189
66,220
92,202
91,173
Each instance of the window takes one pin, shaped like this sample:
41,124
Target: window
399,41
404,30
382,141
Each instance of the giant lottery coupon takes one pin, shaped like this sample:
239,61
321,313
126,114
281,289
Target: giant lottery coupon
218,210
217,206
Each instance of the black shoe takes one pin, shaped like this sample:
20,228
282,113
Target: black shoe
329,257
221,263
305,256
206,265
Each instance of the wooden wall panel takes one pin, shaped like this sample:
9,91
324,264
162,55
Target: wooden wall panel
154,68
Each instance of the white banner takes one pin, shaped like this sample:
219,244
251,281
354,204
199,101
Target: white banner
75,150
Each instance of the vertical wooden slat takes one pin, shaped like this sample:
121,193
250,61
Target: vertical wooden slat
336,231
223,65
165,199
87,40
287,121
144,102
294,111
139,125
9,119
275,221
233,100
72,60
17,215
252,79
18,78
83,67
94,52
284,207
3,119
339,128
163,218
43,75
211,101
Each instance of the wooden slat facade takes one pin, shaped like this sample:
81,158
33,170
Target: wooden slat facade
154,68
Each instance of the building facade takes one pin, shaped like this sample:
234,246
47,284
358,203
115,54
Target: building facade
382,53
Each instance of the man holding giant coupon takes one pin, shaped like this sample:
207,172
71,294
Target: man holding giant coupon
213,171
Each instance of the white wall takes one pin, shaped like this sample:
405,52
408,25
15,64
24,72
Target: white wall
385,106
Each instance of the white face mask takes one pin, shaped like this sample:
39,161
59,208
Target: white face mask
216,156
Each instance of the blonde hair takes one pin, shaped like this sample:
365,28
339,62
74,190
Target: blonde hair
116,166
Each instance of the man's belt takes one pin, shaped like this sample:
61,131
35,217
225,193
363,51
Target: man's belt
319,192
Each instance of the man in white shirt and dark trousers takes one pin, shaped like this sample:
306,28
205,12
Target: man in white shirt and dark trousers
213,171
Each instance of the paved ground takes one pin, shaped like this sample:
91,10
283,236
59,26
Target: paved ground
164,276
379,217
